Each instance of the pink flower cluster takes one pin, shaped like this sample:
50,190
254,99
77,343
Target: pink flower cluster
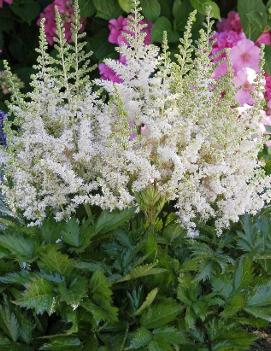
65,9
244,55
245,59
6,1
117,29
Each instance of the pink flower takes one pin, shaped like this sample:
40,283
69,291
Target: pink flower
244,81
107,73
225,40
232,22
66,10
119,26
220,70
264,38
6,1
245,54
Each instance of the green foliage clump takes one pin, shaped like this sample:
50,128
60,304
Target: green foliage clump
118,281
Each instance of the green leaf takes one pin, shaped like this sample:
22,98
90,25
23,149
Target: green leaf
243,275
71,233
17,245
20,278
178,14
52,260
126,5
253,17
168,334
87,8
38,296
107,9
66,343
161,314
110,221
202,6
51,230
234,304
27,10
148,301
101,297
8,321
259,303
74,293
27,325
161,25
142,271
100,51
141,338
151,9
267,57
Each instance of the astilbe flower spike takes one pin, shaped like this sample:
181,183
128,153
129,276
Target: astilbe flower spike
163,125
66,10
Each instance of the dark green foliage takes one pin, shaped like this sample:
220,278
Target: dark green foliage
119,281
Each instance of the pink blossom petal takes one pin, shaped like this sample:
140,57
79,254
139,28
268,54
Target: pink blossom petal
108,73
264,38
244,97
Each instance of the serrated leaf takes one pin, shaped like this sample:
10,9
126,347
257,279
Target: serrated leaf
170,335
243,274
259,303
110,221
141,338
71,233
154,346
38,296
27,325
52,260
51,230
74,293
17,245
148,301
8,321
142,271
62,344
101,299
20,278
161,314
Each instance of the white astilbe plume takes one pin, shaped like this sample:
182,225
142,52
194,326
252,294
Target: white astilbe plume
168,125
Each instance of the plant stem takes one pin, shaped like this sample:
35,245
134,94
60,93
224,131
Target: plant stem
125,338
88,210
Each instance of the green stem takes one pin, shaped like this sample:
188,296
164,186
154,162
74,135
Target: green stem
88,210
125,338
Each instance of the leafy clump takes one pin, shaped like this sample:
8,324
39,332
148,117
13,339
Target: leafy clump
133,287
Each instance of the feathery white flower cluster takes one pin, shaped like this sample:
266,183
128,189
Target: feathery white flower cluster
168,125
